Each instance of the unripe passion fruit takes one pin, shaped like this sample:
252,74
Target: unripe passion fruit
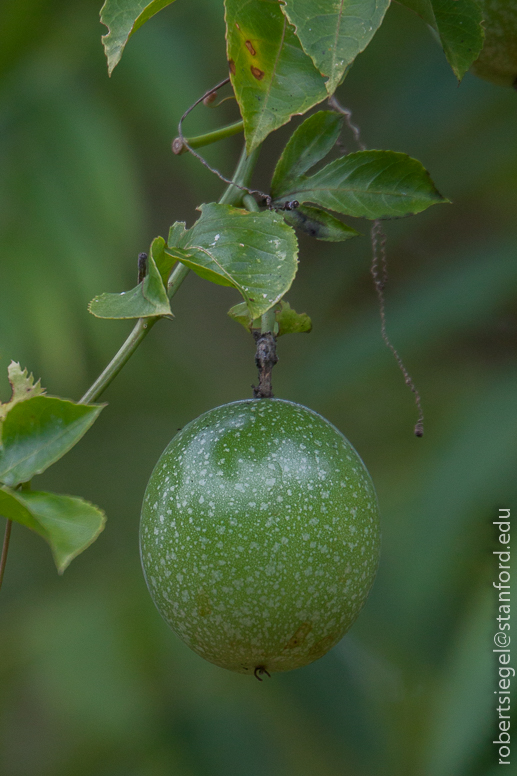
498,59
260,535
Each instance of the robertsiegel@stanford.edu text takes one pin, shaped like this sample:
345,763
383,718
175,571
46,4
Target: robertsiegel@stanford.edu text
502,639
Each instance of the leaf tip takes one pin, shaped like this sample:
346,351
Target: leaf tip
63,563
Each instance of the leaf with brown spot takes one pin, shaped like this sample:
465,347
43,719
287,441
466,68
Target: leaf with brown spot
272,77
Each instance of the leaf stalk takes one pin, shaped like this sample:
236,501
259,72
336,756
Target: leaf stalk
199,141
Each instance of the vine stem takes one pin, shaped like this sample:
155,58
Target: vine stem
232,196
5,549
139,333
241,178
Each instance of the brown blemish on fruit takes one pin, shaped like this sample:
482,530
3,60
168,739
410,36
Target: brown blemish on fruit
231,65
259,74
322,646
249,46
299,636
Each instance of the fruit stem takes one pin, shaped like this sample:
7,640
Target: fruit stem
267,322
265,354
232,196
265,359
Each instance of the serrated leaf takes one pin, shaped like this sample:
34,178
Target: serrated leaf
256,253
39,431
459,27
308,144
319,224
147,299
123,18
22,387
176,234
334,32
291,322
369,184
272,77
69,524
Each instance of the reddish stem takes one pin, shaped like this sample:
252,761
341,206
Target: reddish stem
5,549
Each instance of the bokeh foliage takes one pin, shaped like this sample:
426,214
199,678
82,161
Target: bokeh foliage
92,681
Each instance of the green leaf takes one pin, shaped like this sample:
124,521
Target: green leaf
369,184
176,234
256,253
308,144
163,260
123,18
291,322
39,431
22,386
459,27
13,509
334,32
272,77
319,224
69,524
242,315
288,321
147,299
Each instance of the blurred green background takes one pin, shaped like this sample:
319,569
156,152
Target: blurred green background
92,681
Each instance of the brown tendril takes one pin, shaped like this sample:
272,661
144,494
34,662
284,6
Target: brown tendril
379,271
183,142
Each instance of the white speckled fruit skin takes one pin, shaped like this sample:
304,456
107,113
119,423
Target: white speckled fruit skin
260,535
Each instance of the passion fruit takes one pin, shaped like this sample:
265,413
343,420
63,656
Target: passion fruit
260,535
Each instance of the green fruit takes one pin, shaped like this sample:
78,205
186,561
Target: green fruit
498,59
260,535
